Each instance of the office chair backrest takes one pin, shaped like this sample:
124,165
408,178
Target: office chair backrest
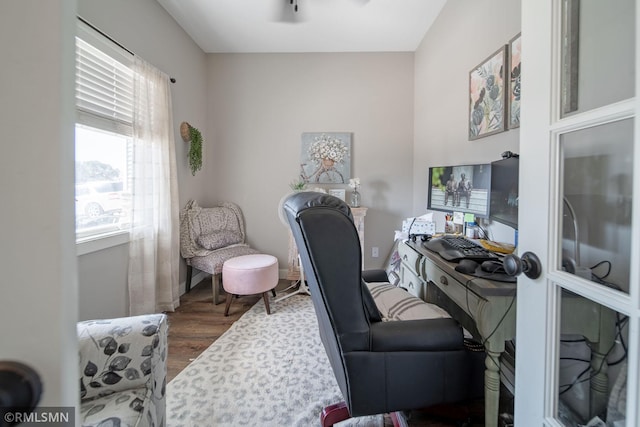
329,248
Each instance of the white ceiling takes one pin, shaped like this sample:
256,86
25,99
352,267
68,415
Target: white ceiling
319,25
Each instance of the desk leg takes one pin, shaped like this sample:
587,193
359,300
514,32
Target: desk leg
491,388
599,382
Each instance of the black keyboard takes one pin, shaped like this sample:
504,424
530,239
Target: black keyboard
456,248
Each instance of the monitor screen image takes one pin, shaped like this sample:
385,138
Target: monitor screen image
504,192
460,189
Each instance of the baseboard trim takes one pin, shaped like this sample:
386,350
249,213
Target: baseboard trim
197,278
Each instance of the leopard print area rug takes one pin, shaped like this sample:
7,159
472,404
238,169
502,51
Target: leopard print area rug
266,370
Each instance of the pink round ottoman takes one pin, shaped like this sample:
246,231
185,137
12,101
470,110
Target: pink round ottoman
250,275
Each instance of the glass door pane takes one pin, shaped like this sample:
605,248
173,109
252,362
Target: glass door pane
597,188
598,53
592,374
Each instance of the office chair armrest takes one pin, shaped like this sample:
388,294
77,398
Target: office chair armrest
375,275
417,335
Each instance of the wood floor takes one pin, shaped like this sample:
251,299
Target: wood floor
197,323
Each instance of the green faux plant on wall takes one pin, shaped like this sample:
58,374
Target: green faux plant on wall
195,150
193,135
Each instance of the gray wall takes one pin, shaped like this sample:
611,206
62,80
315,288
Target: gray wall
38,289
260,104
252,116
146,29
463,36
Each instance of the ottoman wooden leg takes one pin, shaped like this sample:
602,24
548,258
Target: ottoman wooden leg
226,308
265,297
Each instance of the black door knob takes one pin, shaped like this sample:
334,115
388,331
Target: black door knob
20,389
529,264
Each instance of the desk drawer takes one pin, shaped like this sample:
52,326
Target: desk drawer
410,281
435,295
474,302
414,260
458,292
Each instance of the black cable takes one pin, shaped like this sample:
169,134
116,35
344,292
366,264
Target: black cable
600,279
575,381
466,293
504,315
619,325
602,263
575,359
617,362
495,329
484,231
576,340
410,226
620,322
597,371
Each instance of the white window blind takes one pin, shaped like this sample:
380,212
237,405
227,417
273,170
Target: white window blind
104,83
104,130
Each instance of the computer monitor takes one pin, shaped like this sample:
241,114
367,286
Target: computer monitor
504,191
463,188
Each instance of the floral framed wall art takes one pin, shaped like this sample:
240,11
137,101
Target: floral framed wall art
487,96
513,97
325,157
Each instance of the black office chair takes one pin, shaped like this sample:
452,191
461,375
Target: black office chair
380,367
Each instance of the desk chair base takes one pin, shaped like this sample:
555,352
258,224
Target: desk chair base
338,412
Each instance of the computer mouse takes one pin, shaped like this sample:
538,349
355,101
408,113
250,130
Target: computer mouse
467,266
492,267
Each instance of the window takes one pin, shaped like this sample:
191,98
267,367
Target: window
101,196
126,180
104,129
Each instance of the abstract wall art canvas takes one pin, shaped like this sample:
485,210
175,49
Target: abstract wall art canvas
515,50
487,96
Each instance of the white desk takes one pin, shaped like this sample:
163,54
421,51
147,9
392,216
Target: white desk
487,309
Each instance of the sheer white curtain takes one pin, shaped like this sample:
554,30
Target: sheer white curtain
153,249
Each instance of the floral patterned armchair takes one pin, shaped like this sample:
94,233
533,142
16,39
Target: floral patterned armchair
209,237
123,371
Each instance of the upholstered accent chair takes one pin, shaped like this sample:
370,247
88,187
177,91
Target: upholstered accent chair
209,237
123,371
380,366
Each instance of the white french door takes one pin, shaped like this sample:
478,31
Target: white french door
578,324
